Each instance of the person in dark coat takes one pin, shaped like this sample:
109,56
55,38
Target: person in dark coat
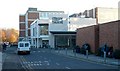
4,46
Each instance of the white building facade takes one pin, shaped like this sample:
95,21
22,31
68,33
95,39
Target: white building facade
40,28
54,28
57,30
79,22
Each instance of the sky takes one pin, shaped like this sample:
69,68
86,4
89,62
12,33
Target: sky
10,9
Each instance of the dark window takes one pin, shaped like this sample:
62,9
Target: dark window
57,20
21,45
62,43
44,29
26,44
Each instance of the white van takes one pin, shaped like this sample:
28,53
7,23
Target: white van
23,47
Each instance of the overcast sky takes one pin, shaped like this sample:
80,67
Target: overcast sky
10,9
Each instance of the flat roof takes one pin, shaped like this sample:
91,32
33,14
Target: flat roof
52,11
63,32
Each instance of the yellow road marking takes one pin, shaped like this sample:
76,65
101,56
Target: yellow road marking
28,67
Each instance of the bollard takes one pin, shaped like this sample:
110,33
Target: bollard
86,53
58,50
75,54
66,50
104,56
50,49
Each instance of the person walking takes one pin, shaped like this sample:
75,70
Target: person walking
4,47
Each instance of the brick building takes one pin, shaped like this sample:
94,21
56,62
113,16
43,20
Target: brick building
25,21
22,26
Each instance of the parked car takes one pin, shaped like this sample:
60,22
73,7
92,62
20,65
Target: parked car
23,47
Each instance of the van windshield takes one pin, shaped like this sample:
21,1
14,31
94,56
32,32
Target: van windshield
21,45
26,44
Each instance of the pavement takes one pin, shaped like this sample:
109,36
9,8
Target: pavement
91,57
0,61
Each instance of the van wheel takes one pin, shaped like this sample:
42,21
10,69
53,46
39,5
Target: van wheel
28,52
18,52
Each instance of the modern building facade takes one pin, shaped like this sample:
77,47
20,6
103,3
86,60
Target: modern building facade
55,27
104,15
79,22
41,28
49,27
30,16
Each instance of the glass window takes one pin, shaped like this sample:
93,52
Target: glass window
49,13
44,15
34,31
63,42
41,14
26,44
21,45
57,20
44,29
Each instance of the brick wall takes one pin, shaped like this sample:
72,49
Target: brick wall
22,34
29,23
88,35
33,15
22,26
108,33
119,34
21,18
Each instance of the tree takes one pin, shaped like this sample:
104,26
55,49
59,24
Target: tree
4,35
10,35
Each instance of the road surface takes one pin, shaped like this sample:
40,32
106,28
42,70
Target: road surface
44,59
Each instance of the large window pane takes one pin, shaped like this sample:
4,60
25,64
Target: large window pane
62,41
44,29
44,15
57,20
26,44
